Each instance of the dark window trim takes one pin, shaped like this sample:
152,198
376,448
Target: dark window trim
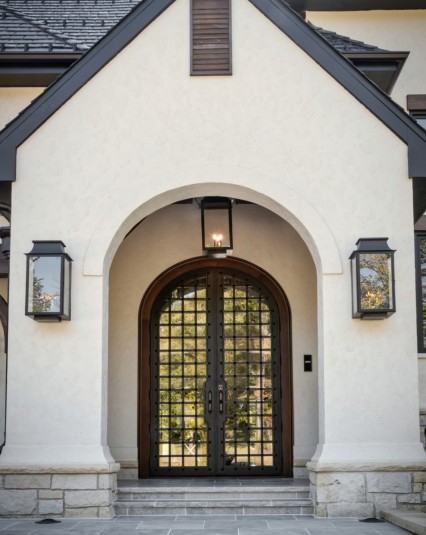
421,346
416,103
416,106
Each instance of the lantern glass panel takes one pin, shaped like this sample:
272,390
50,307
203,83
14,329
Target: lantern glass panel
354,285
375,281
67,292
44,284
216,229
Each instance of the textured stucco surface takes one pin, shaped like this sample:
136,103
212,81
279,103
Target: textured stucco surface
15,99
398,31
278,132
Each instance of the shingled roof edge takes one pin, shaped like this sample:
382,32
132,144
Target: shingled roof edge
280,14
47,31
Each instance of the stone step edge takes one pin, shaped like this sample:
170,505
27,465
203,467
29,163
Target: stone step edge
224,489
413,521
215,503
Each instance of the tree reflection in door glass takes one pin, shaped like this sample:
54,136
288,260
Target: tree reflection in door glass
247,330
182,436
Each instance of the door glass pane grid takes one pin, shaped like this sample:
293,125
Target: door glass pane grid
182,333
248,374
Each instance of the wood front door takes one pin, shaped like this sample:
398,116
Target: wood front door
215,379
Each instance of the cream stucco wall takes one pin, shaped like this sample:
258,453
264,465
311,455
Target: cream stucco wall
174,233
15,99
392,30
279,132
398,31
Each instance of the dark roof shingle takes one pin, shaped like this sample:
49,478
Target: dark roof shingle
346,45
76,25
58,25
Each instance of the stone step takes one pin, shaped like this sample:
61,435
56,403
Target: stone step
224,506
212,493
213,499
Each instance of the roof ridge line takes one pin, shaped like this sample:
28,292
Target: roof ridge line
60,37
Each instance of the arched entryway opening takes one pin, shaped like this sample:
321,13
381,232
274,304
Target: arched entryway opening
169,237
215,381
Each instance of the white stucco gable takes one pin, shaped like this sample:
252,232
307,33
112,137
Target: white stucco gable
142,126
305,136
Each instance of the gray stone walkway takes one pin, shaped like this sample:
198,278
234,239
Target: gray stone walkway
202,525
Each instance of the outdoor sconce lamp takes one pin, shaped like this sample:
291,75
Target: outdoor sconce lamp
216,224
48,295
373,279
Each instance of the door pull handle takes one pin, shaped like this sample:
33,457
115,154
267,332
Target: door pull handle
220,387
209,401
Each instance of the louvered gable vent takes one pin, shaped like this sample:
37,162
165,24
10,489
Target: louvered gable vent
211,37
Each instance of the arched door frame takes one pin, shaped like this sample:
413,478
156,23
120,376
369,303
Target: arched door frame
145,311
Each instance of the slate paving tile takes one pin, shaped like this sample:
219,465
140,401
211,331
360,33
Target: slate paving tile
390,529
6,523
142,530
149,518
188,526
284,524
342,531
283,518
224,531
152,531
16,531
281,531
223,523
229,518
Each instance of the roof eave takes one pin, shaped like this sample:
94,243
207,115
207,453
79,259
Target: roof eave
33,70
280,14
344,72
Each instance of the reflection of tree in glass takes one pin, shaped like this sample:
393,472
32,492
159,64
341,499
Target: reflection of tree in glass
42,301
374,281
423,276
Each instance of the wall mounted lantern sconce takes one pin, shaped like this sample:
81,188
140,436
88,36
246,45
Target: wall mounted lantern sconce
373,279
216,224
5,241
48,295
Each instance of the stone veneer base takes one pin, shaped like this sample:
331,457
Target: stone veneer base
365,491
70,492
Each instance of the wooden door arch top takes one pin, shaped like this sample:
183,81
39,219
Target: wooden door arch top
153,292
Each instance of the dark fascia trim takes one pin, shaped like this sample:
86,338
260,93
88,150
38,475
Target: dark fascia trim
280,14
33,70
344,72
395,61
419,197
43,107
355,5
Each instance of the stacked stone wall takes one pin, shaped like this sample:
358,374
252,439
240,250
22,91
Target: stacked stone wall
57,495
367,494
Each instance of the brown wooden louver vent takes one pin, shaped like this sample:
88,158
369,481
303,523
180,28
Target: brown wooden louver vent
211,37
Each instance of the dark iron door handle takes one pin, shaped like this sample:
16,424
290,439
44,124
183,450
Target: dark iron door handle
220,387
209,401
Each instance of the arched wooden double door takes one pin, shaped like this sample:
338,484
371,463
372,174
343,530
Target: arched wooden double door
215,391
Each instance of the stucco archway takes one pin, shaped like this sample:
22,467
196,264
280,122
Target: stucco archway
289,204
171,235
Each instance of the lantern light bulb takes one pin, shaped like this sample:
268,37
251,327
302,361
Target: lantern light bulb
217,239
